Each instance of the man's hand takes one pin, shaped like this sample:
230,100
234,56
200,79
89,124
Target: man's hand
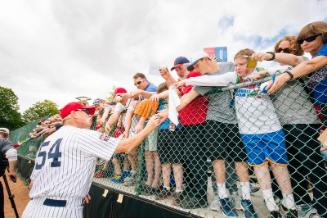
179,83
155,97
259,75
163,114
125,134
87,199
136,93
12,176
280,81
155,121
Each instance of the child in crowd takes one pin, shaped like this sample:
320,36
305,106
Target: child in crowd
262,135
145,109
168,149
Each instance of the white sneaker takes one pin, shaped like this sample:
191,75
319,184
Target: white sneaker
215,204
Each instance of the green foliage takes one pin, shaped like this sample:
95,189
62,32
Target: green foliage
9,115
39,110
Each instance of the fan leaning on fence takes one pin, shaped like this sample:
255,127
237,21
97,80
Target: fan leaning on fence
276,148
66,161
301,125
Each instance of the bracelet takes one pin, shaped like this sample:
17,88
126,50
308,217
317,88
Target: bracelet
290,74
273,55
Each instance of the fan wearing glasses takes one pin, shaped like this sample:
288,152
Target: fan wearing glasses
286,52
303,122
144,87
312,39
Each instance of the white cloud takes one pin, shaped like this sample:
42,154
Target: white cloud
60,49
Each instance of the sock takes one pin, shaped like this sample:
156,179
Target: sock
269,199
178,190
246,190
288,201
167,188
222,192
133,172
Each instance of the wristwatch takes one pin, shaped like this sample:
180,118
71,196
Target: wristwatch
273,55
290,74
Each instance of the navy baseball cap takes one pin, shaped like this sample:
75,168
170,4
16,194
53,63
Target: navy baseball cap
180,61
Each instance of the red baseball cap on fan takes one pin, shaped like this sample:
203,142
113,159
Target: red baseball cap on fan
73,106
120,90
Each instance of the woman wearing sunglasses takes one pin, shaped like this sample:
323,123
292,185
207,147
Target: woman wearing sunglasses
302,128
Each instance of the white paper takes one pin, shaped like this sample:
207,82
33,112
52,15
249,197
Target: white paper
173,103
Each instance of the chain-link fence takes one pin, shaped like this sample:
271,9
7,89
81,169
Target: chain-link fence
236,151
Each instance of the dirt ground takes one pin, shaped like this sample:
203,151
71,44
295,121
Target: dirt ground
20,192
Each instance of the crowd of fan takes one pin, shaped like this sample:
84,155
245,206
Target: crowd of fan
243,130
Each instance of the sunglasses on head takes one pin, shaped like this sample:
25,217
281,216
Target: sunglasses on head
284,50
308,39
84,110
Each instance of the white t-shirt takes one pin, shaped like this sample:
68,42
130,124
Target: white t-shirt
66,161
255,111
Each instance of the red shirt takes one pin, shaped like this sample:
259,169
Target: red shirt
196,111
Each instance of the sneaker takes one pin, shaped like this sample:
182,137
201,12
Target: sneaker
177,198
99,174
275,214
305,210
130,180
248,208
226,208
117,179
289,213
235,200
254,187
163,193
215,204
126,174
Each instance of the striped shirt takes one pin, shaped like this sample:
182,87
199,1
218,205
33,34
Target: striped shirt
66,162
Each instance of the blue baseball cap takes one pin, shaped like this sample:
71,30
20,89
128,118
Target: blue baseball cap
180,61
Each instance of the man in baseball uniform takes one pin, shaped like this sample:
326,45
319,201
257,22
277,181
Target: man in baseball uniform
66,160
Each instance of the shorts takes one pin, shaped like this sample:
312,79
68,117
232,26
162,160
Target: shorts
224,142
265,147
169,147
150,142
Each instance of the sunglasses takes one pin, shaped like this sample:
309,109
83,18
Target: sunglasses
138,83
284,50
84,110
308,39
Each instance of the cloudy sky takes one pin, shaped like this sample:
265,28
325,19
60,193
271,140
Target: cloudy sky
60,49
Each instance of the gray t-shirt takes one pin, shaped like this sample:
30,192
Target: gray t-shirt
293,106
219,106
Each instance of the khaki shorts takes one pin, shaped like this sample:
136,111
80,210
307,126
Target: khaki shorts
151,141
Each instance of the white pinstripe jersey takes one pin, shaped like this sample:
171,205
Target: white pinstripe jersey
66,161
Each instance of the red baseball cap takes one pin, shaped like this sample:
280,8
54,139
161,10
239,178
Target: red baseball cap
73,106
120,90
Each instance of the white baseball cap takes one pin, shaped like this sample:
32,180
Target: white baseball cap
4,130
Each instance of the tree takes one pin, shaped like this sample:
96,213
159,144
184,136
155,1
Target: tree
40,109
9,115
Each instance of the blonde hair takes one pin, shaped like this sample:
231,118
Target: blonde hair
244,52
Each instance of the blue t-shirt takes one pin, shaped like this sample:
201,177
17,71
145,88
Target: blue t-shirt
163,104
318,80
322,51
151,88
